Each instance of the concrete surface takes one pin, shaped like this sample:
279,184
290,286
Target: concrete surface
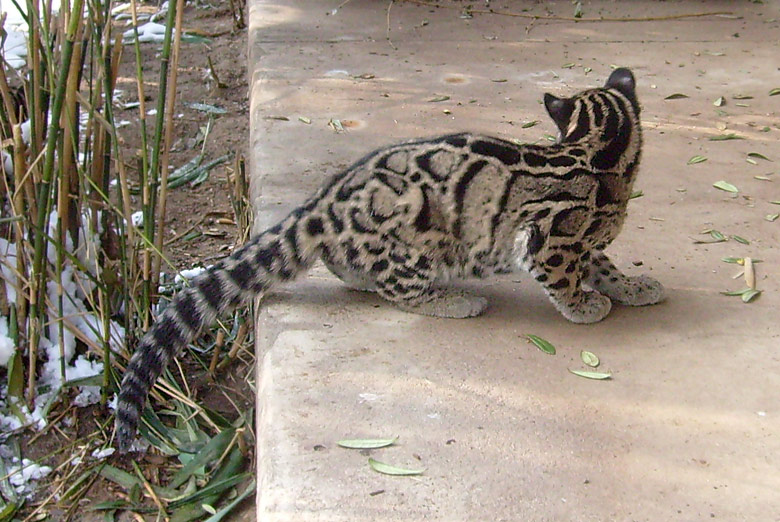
689,426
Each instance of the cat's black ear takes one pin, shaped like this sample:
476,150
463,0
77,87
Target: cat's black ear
623,80
560,110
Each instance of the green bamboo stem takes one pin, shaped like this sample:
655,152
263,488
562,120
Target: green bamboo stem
38,308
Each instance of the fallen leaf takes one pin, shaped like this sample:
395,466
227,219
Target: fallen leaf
305,120
439,98
587,70
775,91
366,443
740,239
636,194
589,358
762,178
720,102
529,124
750,294
542,344
676,96
567,66
735,292
717,235
771,217
209,109
742,97
724,185
725,137
696,159
499,80
758,155
599,376
387,469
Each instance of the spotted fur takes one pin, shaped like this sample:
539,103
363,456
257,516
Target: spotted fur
405,218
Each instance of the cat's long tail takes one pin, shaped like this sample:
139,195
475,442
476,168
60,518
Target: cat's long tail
276,255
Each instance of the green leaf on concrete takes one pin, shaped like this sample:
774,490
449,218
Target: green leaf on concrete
542,344
599,376
736,292
740,239
771,217
750,294
742,97
567,66
589,358
529,124
439,98
775,91
724,185
775,202
388,469
720,102
717,235
305,120
758,156
696,159
726,137
676,96
366,443
636,194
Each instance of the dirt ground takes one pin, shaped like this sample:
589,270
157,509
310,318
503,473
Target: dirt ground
200,227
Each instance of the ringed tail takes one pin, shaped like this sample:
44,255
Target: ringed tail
277,255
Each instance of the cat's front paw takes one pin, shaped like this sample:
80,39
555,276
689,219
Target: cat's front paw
641,290
591,309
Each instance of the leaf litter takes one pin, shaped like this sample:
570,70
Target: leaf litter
542,344
589,358
388,469
725,185
599,376
366,443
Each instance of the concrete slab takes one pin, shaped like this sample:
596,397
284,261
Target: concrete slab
688,427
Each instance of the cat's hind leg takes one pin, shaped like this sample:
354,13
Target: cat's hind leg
409,281
351,278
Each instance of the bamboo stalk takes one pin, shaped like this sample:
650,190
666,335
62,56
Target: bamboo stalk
167,142
44,201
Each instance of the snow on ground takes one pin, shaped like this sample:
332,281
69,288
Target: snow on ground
58,345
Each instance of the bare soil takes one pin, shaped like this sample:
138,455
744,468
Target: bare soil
199,225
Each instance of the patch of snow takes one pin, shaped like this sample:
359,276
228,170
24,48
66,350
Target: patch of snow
7,348
187,275
22,474
103,453
148,32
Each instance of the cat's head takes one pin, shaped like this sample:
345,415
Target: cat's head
590,110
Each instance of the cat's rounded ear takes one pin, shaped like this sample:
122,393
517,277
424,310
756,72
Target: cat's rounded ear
560,109
623,80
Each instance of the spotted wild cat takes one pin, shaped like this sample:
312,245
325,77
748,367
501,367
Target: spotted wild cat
406,218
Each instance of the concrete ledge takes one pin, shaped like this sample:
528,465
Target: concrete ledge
687,428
